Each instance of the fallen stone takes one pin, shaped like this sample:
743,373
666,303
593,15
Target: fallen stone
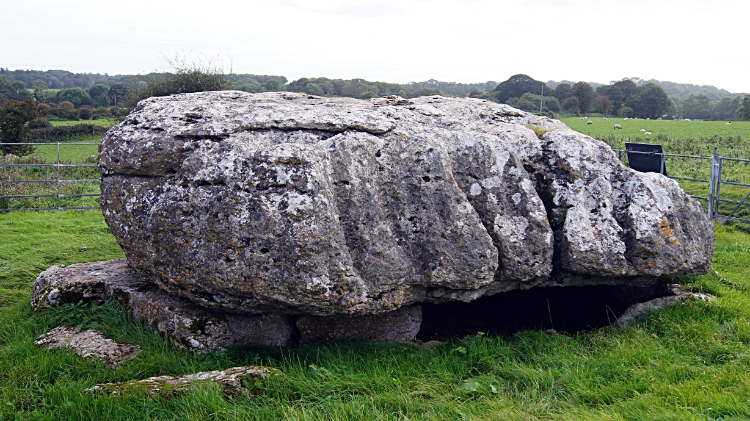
638,311
400,325
231,381
286,203
88,343
189,325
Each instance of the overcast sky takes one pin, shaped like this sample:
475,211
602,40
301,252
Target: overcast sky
699,42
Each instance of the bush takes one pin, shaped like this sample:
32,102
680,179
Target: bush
68,111
119,112
184,78
60,133
86,112
39,123
13,118
102,112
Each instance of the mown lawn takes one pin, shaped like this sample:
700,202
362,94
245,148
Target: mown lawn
690,362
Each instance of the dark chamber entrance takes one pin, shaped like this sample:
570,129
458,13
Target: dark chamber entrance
565,309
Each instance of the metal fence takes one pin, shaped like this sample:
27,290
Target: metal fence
714,183
713,200
57,181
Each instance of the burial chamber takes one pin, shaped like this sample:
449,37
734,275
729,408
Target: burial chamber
291,204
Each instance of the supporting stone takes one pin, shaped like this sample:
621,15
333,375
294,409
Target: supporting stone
400,325
638,311
190,325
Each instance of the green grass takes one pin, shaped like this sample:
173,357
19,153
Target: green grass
104,122
686,363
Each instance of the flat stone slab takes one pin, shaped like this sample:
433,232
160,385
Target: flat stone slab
400,325
231,381
189,325
639,310
88,343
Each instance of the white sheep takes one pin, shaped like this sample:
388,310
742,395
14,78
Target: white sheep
729,123
687,119
605,118
647,133
617,126
626,119
643,130
589,122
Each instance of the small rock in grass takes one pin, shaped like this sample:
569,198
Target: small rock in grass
231,381
88,344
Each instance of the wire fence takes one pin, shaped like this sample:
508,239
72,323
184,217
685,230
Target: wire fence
715,181
51,183
720,174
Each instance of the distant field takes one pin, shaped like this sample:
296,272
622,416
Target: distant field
604,130
104,122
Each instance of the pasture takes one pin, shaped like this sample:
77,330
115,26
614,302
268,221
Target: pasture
686,363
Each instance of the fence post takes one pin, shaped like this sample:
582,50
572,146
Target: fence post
718,188
58,176
712,183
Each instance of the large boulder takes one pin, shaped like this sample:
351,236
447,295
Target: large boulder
293,204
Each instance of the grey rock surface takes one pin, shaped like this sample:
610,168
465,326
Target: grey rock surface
189,325
399,325
639,310
88,343
295,204
231,381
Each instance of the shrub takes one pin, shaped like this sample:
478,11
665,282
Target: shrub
13,118
60,133
184,78
39,123
86,112
67,110
102,112
76,96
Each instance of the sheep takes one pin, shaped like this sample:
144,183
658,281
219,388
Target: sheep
589,122
647,133
687,119
626,119
617,126
605,119
659,118
643,130
729,123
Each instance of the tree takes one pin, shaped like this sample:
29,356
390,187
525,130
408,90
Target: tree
726,109
77,96
572,105
98,94
516,86
14,116
699,107
117,94
14,90
273,85
603,105
651,102
743,113
585,94
561,91
66,110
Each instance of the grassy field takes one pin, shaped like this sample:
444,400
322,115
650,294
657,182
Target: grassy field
104,122
686,363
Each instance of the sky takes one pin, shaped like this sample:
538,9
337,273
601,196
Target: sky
469,41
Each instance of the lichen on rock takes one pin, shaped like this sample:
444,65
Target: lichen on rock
293,204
